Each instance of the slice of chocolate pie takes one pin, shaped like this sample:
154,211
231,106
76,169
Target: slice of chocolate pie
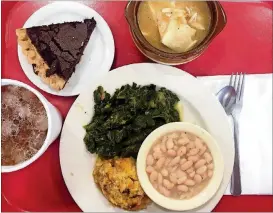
55,50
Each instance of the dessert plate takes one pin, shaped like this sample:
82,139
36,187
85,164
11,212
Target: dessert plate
200,106
98,54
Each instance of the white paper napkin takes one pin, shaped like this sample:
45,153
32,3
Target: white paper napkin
255,131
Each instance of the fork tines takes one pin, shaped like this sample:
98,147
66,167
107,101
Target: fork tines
238,83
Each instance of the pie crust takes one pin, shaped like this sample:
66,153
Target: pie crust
39,65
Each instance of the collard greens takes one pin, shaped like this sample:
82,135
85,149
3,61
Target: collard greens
121,122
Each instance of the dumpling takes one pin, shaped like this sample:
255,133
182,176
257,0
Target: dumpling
178,36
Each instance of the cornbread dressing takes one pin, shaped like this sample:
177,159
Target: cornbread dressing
118,181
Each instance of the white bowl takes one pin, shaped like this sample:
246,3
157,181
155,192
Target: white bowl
206,194
54,125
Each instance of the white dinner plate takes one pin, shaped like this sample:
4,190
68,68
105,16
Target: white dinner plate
200,107
98,54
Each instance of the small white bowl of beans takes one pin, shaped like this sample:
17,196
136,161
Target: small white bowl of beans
180,166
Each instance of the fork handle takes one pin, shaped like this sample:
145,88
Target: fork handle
236,188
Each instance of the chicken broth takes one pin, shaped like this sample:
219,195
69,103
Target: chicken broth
174,26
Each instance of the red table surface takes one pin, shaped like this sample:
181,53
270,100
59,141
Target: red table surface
244,45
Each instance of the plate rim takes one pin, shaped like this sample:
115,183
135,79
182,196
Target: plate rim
210,205
110,46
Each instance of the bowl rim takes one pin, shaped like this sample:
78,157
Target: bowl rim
6,169
207,193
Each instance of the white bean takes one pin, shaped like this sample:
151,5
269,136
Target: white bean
163,147
193,152
173,178
149,169
173,135
166,192
202,150
164,139
183,135
172,169
182,188
198,143
171,153
180,173
204,176
156,148
181,151
192,174
159,179
189,182
193,158
186,165
168,160
190,170
211,166
200,163
174,161
164,172
201,170
175,148
210,173
197,178
157,155
161,189
191,192
153,176
169,144
182,161
208,157
190,145
192,137
160,162
182,196
168,184
183,141
150,160
181,180
155,185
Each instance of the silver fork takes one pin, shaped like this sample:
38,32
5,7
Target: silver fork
238,83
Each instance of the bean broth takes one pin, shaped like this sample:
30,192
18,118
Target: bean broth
179,165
